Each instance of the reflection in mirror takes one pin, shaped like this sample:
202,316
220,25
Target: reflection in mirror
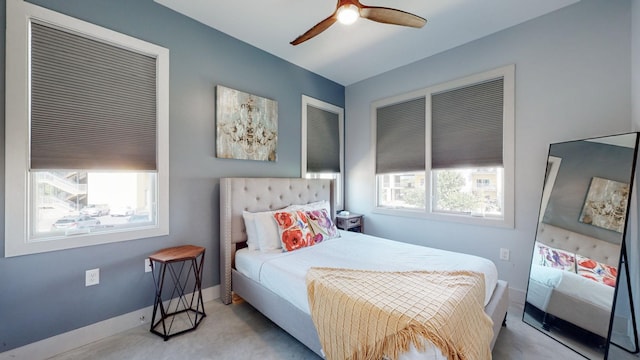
577,250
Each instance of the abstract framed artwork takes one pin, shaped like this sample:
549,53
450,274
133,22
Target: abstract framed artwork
605,205
246,125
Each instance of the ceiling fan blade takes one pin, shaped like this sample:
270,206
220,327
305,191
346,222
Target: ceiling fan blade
391,16
317,29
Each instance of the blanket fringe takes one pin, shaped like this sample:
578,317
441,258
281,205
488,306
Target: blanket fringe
391,347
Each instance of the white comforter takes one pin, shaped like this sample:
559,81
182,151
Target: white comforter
284,272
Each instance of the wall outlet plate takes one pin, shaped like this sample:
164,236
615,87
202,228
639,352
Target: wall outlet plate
147,265
504,254
92,277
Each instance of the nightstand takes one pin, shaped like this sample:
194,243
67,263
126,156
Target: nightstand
184,307
351,222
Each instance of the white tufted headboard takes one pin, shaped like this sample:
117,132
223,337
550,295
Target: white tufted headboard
258,194
593,248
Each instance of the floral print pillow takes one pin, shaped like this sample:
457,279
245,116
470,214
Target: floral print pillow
597,271
322,226
293,229
555,258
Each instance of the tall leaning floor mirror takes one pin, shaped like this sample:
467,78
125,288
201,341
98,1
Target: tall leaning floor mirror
579,292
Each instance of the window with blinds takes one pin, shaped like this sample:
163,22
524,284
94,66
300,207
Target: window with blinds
94,118
93,104
466,126
323,140
323,144
447,151
400,137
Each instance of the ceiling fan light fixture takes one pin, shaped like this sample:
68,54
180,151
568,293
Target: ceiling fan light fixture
348,14
348,11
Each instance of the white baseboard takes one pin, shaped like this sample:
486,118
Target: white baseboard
58,344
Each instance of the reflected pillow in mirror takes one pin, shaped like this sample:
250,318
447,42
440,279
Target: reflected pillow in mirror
555,258
596,271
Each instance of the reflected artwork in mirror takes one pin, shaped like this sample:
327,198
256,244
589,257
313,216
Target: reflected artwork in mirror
574,281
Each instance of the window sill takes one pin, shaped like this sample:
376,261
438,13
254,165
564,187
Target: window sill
40,245
461,219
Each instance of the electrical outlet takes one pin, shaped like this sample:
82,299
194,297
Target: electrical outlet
92,277
147,265
504,254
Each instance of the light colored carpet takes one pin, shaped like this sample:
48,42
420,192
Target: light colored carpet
240,332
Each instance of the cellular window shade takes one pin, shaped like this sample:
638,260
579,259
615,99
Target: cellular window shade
400,137
93,105
323,141
467,126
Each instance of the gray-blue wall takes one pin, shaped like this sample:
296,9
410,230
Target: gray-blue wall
573,80
44,295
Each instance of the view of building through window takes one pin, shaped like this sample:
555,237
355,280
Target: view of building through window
406,190
80,202
471,191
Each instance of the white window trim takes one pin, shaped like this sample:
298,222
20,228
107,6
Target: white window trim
307,100
17,217
508,152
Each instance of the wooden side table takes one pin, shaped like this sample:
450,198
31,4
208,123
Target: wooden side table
351,222
180,311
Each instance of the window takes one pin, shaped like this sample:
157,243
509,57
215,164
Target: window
447,151
86,134
323,144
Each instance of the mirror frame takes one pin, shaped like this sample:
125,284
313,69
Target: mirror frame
623,268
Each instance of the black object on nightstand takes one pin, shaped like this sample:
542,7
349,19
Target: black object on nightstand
351,222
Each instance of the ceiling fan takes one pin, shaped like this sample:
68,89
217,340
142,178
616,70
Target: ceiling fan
348,11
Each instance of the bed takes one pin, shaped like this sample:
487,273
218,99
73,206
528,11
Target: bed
564,290
263,194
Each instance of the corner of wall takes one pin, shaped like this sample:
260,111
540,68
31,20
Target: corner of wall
635,68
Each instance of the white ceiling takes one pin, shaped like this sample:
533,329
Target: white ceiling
348,54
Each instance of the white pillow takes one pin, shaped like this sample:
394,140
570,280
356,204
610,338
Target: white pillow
265,227
267,231
250,226
318,205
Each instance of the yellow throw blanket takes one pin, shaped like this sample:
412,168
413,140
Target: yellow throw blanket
370,314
